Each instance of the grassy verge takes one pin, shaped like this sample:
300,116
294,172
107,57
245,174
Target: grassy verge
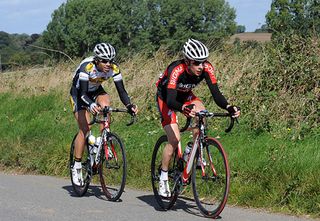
35,132
267,171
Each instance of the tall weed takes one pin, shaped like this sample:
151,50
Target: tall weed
289,86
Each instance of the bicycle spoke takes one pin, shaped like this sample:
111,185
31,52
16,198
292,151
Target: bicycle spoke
164,202
211,187
112,169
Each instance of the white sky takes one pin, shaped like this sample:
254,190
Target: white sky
32,16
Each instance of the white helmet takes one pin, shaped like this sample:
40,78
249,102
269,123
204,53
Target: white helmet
195,50
104,51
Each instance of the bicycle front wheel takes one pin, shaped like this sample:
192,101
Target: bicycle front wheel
86,169
164,202
210,182
113,167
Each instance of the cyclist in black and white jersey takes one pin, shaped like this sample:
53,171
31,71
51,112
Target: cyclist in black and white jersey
87,93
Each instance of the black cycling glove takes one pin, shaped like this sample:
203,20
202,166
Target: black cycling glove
232,109
130,107
187,109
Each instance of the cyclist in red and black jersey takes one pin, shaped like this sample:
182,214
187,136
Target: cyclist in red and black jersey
87,94
174,93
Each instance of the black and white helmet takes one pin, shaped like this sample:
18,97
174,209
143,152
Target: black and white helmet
195,50
104,51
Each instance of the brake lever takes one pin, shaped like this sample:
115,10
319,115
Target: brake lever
230,126
133,119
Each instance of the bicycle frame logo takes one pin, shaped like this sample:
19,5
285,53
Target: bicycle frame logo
187,169
108,150
107,124
104,143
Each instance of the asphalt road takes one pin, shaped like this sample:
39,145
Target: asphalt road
29,197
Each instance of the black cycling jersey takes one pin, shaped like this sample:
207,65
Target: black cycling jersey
176,83
87,80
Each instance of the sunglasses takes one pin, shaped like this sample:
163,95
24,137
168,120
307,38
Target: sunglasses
197,63
105,61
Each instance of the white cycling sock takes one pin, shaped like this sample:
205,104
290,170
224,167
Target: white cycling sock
164,175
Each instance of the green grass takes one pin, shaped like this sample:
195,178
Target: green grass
275,173
35,133
267,171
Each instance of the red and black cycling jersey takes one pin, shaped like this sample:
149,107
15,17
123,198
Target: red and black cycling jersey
176,83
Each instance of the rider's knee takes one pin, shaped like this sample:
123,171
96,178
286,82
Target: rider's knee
84,130
174,142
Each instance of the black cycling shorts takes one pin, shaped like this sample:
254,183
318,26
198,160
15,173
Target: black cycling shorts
77,103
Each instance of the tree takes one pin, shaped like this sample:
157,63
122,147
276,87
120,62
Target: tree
264,29
294,16
241,29
134,25
201,19
4,39
293,61
15,50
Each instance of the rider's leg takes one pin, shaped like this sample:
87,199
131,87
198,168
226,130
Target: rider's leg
103,100
195,131
169,123
82,118
199,107
173,134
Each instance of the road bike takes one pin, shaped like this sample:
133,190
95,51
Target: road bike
206,168
109,161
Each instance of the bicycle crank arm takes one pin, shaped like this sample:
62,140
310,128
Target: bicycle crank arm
112,167
214,178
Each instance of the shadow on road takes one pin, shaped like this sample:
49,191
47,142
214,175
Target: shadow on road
92,191
183,203
151,201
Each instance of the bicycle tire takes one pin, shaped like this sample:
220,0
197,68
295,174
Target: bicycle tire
211,190
113,168
86,169
164,203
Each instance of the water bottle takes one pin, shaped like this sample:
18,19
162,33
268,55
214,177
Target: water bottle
97,144
91,142
187,151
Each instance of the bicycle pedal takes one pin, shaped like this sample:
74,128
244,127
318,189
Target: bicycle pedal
165,197
112,166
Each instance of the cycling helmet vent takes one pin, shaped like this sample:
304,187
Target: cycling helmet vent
104,51
195,50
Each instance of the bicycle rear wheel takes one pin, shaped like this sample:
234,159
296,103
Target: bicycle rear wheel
211,185
86,169
113,167
173,173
